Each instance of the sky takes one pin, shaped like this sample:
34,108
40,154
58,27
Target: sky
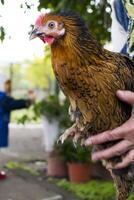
17,47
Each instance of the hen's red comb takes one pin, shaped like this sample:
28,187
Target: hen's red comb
38,21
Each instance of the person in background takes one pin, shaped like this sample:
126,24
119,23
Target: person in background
123,41
122,28
8,104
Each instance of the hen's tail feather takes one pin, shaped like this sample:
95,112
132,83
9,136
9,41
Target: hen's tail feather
124,186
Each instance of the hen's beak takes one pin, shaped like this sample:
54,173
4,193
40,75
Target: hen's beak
35,33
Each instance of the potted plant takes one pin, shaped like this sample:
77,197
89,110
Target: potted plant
78,162
55,118
56,162
50,110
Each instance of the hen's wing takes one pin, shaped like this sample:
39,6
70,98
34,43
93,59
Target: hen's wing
95,95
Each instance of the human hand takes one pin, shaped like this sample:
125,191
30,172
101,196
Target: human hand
32,96
125,133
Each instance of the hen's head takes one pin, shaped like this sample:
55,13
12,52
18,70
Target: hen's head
53,27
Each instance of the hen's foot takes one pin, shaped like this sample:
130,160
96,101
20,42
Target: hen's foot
70,132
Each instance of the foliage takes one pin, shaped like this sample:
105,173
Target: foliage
36,74
40,72
60,149
24,116
73,153
21,166
2,1
18,74
51,107
93,190
2,30
2,33
48,107
97,15
131,197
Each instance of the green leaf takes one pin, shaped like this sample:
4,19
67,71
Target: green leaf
2,1
93,190
95,15
2,33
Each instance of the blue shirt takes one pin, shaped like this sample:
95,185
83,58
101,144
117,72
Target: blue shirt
7,104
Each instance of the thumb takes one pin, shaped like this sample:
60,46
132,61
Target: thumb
126,96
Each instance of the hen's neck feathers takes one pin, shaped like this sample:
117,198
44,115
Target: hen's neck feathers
78,41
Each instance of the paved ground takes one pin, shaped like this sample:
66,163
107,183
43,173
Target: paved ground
26,143
22,185
17,188
26,146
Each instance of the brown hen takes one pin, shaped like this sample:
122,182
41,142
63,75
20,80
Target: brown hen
89,76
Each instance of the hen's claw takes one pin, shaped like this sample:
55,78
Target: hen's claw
69,132
77,136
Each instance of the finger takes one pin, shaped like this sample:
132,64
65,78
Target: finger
116,150
127,160
106,136
98,139
126,96
115,134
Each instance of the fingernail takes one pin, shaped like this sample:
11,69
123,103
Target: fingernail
94,158
88,142
120,92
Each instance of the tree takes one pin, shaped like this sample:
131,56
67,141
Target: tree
95,12
97,15
2,31
40,73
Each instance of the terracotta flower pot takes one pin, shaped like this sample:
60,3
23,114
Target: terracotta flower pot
56,167
79,173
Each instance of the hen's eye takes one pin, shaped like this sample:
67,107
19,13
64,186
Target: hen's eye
51,25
